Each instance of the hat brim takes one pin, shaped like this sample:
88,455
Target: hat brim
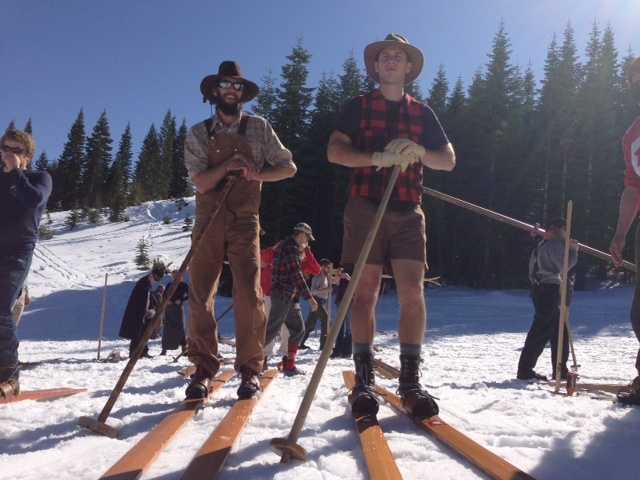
414,55
310,235
209,82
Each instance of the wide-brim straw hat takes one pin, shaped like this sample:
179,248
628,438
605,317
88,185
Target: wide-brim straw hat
414,55
227,69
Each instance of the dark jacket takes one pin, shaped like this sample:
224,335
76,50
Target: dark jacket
134,315
23,196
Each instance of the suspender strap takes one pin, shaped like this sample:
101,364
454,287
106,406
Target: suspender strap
242,129
208,123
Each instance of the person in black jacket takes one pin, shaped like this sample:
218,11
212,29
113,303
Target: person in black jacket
173,335
139,310
23,197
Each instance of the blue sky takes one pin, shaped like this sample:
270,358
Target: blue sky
136,59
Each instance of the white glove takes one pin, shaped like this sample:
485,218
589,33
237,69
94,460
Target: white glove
405,146
390,159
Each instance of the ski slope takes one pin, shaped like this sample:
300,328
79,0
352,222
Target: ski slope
470,357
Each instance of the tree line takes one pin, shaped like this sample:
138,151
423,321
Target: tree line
524,148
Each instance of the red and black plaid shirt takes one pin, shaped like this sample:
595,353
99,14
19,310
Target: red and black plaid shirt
287,279
374,133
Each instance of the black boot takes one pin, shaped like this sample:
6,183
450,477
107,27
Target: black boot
249,384
198,388
631,396
415,398
361,398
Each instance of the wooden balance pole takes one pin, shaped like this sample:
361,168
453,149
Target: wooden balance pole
103,310
288,447
564,280
100,426
517,223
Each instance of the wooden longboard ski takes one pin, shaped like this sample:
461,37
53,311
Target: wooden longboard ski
133,464
377,455
211,457
487,461
39,395
611,388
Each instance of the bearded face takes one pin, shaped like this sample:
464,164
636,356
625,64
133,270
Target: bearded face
228,94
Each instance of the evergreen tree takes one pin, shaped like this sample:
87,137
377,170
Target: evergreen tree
67,187
42,163
413,89
142,257
119,175
97,164
352,81
11,126
180,184
265,105
72,219
28,128
438,93
145,183
294,99
165,170
291,122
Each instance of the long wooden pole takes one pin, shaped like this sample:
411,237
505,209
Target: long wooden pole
288,446
102,313
564,281
100,426
517,223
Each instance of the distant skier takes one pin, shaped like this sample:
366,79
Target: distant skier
23,197
173,335
343,347
375,132
320,289
545,269
310,267
288,284
139,308
629,202
232,142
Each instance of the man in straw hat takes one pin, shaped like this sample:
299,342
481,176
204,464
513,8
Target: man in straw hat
376,131
627,214
232,142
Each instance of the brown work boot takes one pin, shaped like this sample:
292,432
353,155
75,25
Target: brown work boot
415,398
249,384
362,400
198,388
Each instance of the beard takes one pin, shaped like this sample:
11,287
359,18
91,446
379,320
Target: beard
231,109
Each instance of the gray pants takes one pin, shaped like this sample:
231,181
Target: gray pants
289,313
635,307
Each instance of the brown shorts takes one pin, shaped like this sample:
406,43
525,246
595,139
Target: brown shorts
401,235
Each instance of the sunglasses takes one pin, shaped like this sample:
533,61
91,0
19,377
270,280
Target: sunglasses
14,150
237,85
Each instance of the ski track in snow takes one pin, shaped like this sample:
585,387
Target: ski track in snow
470,357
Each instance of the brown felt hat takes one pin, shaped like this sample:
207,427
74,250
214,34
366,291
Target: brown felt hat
396,40
227,69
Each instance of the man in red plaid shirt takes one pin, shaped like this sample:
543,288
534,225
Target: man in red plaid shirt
288,284
629,206
382,129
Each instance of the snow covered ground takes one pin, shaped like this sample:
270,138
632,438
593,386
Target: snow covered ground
471,352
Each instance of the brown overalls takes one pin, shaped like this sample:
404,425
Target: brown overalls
235,230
